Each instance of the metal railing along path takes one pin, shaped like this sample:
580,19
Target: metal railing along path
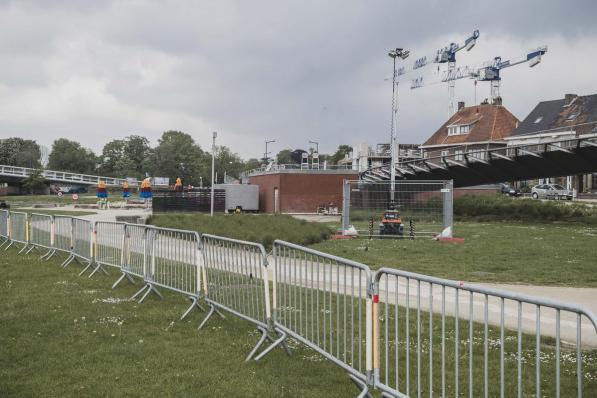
434,336
63,236
237,281
323,301
18,230
41,234
137,254
4,235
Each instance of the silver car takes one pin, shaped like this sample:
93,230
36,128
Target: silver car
551,191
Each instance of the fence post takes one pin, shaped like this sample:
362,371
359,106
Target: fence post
345,206
448,208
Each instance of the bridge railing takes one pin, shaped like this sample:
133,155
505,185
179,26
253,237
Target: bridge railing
63,176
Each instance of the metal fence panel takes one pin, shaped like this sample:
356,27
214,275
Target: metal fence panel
323,301
424,208
175,260
4,224
82,239
41,228
63,233
439,337
136,250
19,229
109,243
237,277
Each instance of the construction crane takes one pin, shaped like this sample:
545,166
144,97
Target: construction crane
442,56
489,72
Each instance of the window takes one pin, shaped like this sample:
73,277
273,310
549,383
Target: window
572,116
459,129
458,155
445,153
538,120
425,155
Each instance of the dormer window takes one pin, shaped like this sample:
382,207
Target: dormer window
459,129
572,116
538,120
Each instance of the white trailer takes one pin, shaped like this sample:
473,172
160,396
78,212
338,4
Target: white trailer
240,196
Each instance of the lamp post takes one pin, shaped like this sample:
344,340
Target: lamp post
403,54
265,155
316,145
213,167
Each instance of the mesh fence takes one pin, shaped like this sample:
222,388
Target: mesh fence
413,209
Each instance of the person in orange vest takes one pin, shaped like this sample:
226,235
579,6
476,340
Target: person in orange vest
145,192
102,194
178,185
126,192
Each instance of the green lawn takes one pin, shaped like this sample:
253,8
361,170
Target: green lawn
261,228
545,254
28,200
62,335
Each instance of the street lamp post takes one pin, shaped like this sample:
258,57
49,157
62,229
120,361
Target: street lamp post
213,170
316,145
265,155
395,53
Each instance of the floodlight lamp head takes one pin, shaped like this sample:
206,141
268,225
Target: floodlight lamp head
398,52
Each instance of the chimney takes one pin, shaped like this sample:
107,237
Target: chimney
460,105
568,98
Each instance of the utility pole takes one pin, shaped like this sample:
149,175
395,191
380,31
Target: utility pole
316,145
266,153
398,52
213,170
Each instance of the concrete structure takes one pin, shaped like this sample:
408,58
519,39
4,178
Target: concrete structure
364,156
300,191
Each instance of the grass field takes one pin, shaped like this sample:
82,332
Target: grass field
63,336
28,200
545,254
262,228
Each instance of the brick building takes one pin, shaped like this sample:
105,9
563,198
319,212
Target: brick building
300,191
470,131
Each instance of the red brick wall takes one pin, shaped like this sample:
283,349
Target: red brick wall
300,192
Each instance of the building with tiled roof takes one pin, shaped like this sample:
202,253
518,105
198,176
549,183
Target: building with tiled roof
471,130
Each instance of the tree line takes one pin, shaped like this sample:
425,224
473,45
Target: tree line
176,155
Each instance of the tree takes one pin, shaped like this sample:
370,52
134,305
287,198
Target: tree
340,153
128,157
285,157
251,164
67,155
227,163
177,155
20,153
297,155
34,182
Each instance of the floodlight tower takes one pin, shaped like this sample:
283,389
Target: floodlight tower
403,54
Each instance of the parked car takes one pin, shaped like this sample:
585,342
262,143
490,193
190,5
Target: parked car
551,191
508,190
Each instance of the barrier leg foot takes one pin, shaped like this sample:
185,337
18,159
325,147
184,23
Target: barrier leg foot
150,289
212,309
30,249
23,249
99,267
280,341
86,268
259,343
3,243
9,245
68,260
361,385
194,304
48,255
134,296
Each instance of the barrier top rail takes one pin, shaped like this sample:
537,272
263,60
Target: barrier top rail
534,300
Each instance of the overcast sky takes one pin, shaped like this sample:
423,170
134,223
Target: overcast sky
293,71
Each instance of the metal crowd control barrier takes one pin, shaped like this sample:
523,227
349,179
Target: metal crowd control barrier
237,282
174,263
4,216
82,248
41,231
137,259
109,243
439,337
63,236
323,301
18,230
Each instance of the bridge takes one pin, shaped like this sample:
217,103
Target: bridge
556,158
13,173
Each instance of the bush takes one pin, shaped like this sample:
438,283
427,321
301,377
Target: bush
262,228
499,207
